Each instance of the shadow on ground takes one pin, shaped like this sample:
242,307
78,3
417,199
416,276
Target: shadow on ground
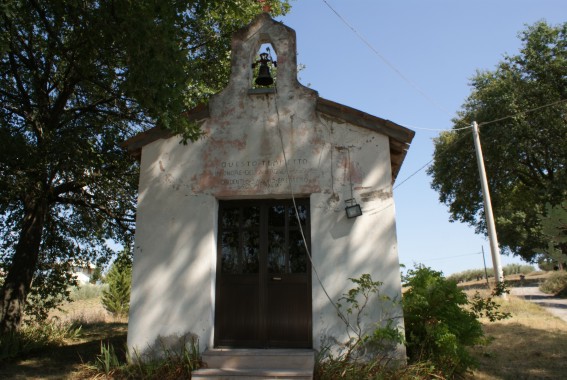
519,352
67,361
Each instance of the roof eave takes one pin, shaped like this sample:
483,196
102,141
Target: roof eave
399,137
135,144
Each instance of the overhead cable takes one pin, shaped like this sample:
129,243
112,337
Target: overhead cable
388,63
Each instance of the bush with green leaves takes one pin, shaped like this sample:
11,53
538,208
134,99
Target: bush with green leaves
440,321
370,342
555,284
116,298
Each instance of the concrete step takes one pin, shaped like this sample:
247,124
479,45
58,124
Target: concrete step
243,364
260,358
245,374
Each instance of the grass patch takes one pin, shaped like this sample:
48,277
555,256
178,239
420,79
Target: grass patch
171,364
87,292
87,311
331,370
34,337
530,345
66,361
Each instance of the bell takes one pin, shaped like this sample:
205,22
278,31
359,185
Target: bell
264,78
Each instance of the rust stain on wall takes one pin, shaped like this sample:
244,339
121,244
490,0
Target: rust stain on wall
374,195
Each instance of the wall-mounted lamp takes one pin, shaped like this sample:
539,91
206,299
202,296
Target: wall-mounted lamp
352,208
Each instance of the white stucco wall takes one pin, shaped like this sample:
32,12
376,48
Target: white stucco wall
174,261
259,146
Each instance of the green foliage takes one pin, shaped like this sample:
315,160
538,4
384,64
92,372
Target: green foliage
96,277
439,321
171,365
477,274
367,338
116,298
50,288
86,292
107,361
488,307
34,337
555,284
79,78
554,228
524,99
367,350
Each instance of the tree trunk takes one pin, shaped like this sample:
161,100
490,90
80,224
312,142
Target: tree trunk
22,268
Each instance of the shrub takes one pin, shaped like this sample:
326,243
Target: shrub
511,269
555,284
440,321
488,307
116,298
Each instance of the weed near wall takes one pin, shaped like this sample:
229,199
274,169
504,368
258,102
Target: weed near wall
371,347
170,365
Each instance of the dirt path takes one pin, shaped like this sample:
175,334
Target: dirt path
556,306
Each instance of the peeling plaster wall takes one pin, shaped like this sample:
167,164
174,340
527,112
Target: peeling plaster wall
258,146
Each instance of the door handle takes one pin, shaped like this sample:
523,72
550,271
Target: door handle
276,278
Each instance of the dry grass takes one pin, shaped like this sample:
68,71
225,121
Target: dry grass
85,312
67,362
530,345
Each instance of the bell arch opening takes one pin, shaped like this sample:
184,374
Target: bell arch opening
264,67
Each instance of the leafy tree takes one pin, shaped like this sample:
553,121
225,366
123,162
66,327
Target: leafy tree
521,108
96,276
116,299
554,228
76,79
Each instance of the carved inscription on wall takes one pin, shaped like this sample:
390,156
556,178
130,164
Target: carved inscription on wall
265,174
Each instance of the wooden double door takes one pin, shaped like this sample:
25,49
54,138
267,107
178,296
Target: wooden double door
263,292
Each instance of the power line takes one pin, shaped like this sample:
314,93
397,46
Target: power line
479,124
522,112
440,129
388,63
414,173
417,88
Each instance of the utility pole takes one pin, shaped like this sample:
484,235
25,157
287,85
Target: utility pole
498,274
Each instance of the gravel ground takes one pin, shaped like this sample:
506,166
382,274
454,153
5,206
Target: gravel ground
556,306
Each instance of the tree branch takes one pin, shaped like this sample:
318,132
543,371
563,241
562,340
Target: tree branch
123,222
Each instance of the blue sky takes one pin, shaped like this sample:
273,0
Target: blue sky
415,73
